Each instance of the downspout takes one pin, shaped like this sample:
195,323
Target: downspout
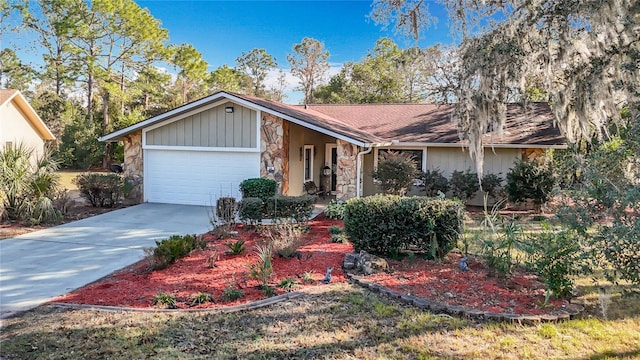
359,168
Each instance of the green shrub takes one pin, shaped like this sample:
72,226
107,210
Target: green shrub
235,248
492,186
169,250
201,298
28,184
528,180
263,269
395,172
464,185
555,256
335,210
285,239
250,210
335,230
386,224
258,188
102,190
231,293
165,301
434,182
287,284
298,208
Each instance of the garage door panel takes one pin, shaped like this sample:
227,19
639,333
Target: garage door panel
196,177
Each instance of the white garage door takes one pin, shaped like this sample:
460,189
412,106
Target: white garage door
196,177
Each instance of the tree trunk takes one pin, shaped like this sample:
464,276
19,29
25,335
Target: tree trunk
106,158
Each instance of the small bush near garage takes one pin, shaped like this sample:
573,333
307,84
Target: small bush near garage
250,210
103,190
388,224
298,208
226,209
169,250
395,172
258,188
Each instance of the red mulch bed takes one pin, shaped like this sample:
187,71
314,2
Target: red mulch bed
441,282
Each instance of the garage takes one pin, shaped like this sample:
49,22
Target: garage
196,177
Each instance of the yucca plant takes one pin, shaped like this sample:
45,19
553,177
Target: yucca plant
28,182
263,269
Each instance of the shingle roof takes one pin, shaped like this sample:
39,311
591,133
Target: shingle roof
427,123
384,123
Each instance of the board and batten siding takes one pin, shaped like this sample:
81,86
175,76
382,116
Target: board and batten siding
210,128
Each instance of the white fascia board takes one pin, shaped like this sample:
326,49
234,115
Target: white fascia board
199,148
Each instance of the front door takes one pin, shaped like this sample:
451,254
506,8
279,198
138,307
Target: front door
331,160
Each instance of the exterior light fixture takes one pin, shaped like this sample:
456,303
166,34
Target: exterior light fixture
228,109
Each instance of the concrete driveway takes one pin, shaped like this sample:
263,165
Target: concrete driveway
41,265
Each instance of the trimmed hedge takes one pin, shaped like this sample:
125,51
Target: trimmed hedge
289,207
388,224
250,210
169,250
258,188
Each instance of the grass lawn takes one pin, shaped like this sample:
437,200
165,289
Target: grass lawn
338,321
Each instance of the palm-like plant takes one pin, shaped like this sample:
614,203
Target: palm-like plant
28,183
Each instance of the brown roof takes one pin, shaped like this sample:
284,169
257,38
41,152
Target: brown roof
320,119
427,123
6,94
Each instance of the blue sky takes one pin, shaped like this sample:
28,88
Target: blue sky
222,30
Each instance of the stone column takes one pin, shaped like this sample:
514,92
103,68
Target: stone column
133,162
346,171
274,150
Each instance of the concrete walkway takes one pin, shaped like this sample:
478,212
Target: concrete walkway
41,265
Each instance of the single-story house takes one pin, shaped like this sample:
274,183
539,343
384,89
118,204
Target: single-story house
19,123
204,149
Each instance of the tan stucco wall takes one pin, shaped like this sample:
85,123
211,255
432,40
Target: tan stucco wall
15,128
299,137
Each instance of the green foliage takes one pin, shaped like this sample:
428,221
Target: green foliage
334,210
395,172
235,248
339,238
335,230
492,186
101,189
298,208
528,180
169,250
268,291
604,209
201,298
258,188
387,224
263,269
498,250
464,185
79,146
231,293
164,300
308,64
250,210
555,256
307,277
256,63
28,183
433,182
288,284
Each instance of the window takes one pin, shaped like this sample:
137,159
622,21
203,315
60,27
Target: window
308,163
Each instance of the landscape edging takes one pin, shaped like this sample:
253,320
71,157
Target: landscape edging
570,312
225,309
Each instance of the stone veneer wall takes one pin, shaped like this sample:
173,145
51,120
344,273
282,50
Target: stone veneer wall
133,161
274,150
346,171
